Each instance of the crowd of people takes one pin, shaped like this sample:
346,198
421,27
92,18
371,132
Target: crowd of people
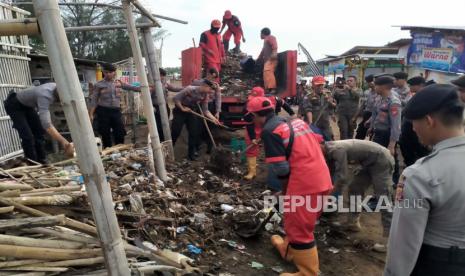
396,115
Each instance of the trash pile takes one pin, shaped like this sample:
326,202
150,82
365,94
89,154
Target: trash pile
176,226
235,82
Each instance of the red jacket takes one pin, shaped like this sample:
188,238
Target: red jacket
234,24
309,173
212,47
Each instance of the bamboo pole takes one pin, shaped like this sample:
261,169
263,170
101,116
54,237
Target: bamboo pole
74,262
10,193
8,209
54,200
148,108
8,224
132,107
144,11
40,253
25,241
36,268
62,235
25,26
68,188
104,27
18,263
154,72
73,224
75,109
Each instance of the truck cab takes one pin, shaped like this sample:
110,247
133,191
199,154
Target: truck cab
233,107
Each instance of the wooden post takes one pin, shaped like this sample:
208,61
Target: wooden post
74,106
154,71
144,86
132,107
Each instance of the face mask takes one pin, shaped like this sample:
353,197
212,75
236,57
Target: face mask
214,30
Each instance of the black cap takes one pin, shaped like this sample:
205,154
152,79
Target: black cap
400,75
430,82
460,82
207,82
383,80
416,81
369,78
108,67
430,99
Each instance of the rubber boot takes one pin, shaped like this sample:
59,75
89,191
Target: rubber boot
281,245
353,223
237,49
252,166
226,46
306,261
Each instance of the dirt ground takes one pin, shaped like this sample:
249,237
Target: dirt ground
340,253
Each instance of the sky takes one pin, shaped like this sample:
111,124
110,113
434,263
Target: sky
328,27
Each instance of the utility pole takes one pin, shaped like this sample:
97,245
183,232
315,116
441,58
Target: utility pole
154,72
74,106
144,86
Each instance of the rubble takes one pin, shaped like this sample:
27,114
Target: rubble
236,82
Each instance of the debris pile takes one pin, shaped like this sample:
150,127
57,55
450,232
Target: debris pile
236,82
47,223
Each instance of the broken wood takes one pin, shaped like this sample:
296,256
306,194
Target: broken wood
36,268
25,241
41,253
10,193
14,185
7,224
68,188
8,209
57,200
73,224
74,262
62,235
18,263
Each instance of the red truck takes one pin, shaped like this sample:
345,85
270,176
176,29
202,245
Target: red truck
233,107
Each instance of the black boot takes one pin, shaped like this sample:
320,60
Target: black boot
226,46
237,49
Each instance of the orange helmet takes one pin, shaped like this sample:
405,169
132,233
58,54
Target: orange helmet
227,14
216,23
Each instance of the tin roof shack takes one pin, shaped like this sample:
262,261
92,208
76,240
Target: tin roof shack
365,60
436,52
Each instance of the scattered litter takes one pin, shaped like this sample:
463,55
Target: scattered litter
194,249
277,269
333,250
136,166
181,229
226,208
256,265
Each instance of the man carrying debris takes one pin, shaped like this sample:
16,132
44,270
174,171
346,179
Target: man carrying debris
106,103
234,28
367,103
295,154
29,110
212,47
347,96
401,88
427,235
186,102
374,166
268,58
318,107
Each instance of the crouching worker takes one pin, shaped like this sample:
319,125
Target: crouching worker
29,110
186,102
374,165
296,158
252,136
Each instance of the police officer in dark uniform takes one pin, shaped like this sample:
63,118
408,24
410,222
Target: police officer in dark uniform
106,104
427,234
367,103
410,147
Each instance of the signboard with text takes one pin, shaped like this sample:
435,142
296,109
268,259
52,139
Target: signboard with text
437,59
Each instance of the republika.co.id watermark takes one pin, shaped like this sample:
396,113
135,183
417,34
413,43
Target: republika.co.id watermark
339,204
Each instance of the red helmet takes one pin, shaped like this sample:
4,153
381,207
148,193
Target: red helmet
216,23
227,14
257,91
258,104
318,80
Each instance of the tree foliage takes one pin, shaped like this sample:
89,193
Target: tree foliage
109,45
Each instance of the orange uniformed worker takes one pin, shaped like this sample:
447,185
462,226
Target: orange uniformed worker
294,153
212,47
234,28
269,59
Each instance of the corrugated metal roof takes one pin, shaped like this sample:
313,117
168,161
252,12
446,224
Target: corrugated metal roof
439,28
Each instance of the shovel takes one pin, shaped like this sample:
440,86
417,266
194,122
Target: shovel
210,120
250,233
